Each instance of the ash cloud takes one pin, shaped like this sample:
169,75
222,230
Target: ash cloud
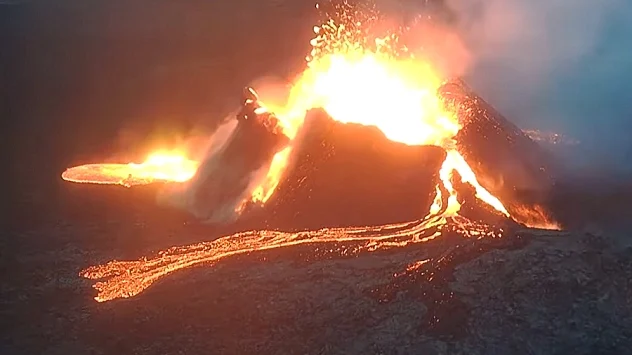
556,65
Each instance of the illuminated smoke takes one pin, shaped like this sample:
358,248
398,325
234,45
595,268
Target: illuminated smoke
186,196
556,65
355,78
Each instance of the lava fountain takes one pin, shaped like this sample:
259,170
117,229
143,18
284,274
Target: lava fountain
355,77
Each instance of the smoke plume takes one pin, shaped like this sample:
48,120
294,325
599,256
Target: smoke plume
227,175
556,65
186,196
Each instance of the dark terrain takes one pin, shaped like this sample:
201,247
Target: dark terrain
84,80
346,175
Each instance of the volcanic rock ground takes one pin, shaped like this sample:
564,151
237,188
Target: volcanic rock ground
549,293
529,292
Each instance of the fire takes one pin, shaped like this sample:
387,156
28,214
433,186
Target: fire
454,162
157,167
397,96
129,278
264,191
374,86
536,217
355,79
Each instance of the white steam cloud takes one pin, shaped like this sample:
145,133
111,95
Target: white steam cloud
227,175
199,195
555,64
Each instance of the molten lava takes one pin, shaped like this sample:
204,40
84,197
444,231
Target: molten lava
157,167
535,217
372,85
356,78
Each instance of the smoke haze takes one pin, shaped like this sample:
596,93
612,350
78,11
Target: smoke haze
185,196
556,65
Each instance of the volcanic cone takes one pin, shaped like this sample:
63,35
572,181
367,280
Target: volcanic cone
349,175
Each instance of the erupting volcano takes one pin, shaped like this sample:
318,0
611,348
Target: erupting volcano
355,77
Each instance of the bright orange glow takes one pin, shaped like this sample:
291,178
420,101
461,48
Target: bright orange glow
374,87
265,190
535,217
355,80
157,167
123,279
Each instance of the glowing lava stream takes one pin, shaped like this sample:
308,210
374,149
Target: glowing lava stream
157,167
354,80
129,278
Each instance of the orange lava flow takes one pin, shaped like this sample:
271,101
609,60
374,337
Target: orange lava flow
535,217
157,167
128,278
355,78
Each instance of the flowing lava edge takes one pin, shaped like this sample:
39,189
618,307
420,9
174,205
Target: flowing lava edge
427,279
124,279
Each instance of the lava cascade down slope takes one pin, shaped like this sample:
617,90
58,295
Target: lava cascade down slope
506,160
